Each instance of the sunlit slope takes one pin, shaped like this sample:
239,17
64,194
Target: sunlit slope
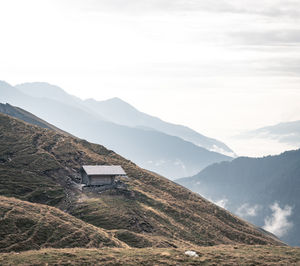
42,166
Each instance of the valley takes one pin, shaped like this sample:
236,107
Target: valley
149,132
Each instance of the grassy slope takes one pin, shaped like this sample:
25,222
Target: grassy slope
217,255
27,226
42,166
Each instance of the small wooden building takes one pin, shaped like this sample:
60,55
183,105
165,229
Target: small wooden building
99,175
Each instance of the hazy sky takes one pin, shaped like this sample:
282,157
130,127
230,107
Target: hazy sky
218,66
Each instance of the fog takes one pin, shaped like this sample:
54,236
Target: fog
278,222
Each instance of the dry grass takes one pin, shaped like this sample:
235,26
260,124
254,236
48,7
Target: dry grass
217,255
27,226
42,166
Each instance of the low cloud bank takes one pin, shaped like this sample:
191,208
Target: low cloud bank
278,223
246,210
221,203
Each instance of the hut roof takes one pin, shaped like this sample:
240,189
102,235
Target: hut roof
103,170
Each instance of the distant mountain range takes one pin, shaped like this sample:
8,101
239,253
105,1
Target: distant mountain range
171,150
288,132
265,191
120,112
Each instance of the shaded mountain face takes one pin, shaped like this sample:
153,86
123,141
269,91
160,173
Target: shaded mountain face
120,112
42,166
265,191
123,113
159,152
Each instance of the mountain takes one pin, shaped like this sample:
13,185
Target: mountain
42,166
165,154
46,90
120,112
27,117
150,220
288,132
28,226
265,191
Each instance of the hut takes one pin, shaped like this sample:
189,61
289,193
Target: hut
100,175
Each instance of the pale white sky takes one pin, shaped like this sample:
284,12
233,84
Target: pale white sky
218,66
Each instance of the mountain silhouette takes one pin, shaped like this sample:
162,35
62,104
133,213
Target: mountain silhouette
253,187
120,112
168,155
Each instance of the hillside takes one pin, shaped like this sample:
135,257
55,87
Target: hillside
27,226
217,255
168,155
42,166
257,189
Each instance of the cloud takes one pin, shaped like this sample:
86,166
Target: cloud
287,36
272,8
264,7
278,223
246,210
215,148
281,66
221,203
180,163
222,51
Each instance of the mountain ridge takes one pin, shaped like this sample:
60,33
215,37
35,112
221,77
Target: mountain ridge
157,151
27,117
122,112
109,106
257,188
